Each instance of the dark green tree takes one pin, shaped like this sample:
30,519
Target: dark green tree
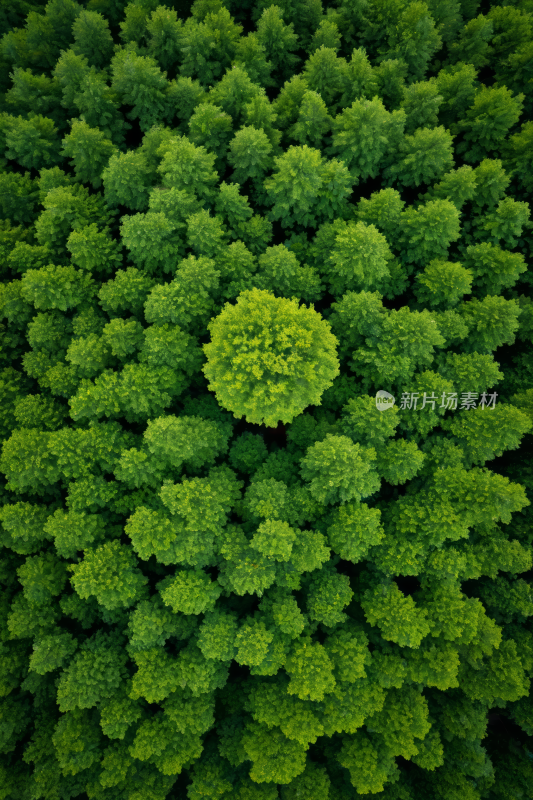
92,38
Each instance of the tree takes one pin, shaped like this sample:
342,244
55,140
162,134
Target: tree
234,91
473,44
188,298
280,272
35,94
123,337
184,95
42,577
279,41
177,205
127,180
421,103
191,592
414,39
456,85
310,670
359,259
422,158
491,183
247,452
56,287
274,757
89,151
93,250
359,78
233,208
397,616
199,508
364,133
493,268
313,121
288,101
250,151
208,46
252,641
152,240
337,185
168,345
428,231
212,127
295,185
382,209
163,31
260,113
500,678
73,531
403,718
93,675
40,410
512,29
356,316
444,282
327,35
187,167
128,290
518,147
390,76
325,73
483,435
494,111
92,38
205,234
400,461
32,142
69,71
192,440
363,423
17,199
327,594
110,573
252,56
308,367
404,340
51,651
506,222
216,638
243,570
459,186
492,321
349,470
480,372
139,82
81,725
257,233
314,779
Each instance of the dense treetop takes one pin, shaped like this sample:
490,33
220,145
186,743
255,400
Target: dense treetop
225,572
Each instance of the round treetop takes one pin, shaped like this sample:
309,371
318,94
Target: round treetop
269,358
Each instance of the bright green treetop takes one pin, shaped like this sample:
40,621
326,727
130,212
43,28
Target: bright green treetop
268,358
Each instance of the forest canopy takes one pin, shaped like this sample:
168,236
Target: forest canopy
229,568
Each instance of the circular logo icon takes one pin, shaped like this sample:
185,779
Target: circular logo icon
384,400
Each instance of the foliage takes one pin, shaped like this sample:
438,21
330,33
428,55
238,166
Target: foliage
287,358
227,569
